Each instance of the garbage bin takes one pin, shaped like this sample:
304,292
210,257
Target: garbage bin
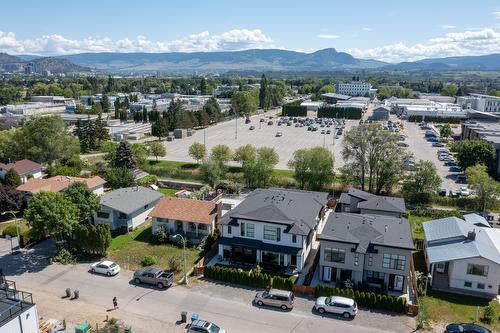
68,292
77,294
184,316
83,328
194,316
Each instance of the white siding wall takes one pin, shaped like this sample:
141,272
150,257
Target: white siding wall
139,216
99,190
457,272
26,322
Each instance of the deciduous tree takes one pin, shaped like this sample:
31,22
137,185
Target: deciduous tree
197,151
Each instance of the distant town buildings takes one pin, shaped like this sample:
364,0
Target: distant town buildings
480,102
355,88
421,107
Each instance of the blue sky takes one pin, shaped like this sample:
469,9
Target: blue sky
385,30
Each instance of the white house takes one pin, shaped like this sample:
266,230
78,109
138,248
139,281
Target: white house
25,168
273,227
19,313
463,256
127,207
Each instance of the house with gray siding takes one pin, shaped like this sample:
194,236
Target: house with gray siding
273,227
375,250
127,208
463,256
358,201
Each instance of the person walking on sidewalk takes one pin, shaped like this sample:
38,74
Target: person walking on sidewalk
115,303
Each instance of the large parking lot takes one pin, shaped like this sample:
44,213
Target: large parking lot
292,138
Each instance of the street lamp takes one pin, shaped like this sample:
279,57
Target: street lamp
13,213
184,241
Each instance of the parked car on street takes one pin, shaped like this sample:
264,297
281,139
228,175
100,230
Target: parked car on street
335,304
204,326
466,328
154,276
275,297
105,267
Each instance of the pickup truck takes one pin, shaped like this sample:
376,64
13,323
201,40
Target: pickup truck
154,276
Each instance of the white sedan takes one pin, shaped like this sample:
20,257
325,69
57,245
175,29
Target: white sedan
464,191
106,267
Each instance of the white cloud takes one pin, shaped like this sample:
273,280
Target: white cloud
236,39
367,29
326,36
447,26
485,41
497,14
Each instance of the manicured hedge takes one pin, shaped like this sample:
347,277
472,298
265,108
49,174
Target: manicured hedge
450,120
239,276
333,112
294,109
364,298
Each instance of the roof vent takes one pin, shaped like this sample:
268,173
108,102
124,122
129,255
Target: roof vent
348,225
386,228
471,235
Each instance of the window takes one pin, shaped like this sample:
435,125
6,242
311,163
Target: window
242,229
334,255
480,286
272,233
394,261
370,259
102,215
356,259
229,229
294,238
122,216
480,270
375,277
468,284
250,229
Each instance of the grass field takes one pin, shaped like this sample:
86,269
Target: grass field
416,225
449,307
168,192
128,251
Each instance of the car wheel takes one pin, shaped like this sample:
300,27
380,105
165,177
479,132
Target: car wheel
92,270
137,280
108,273
284,307
321,310
259,303
160,285
347,315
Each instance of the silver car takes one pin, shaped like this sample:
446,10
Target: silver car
275,297
335,304
204,326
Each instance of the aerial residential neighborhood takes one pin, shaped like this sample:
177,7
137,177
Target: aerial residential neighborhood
249,167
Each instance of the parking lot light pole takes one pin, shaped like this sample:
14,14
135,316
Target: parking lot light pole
184,241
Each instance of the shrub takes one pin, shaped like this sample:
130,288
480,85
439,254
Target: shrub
162,235
148,260
175,264
64,257
255,279
147,181
488,314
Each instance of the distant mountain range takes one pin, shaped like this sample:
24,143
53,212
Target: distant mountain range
255,60
56,65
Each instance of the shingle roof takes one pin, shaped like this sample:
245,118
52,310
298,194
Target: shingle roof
129,199
476,219
360,194
58,183
447,240
386,204
364,229
297,209
22,167
184,209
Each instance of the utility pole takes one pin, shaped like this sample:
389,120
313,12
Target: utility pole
235,125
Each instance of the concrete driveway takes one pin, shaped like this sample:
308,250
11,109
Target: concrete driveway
151,310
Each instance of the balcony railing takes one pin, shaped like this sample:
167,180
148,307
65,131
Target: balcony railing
12,301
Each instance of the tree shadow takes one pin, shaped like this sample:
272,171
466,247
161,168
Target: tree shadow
30,260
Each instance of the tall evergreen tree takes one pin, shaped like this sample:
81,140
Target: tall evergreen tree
264,97
105,103
125,157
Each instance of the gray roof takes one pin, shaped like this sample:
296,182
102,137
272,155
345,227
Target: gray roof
129,199
476,219
365,230
354,192
297,209
447,240
345,199
386,204
336,96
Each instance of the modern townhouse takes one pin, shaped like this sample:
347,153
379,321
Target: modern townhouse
358,201
463,256
127,208
273,227
375,250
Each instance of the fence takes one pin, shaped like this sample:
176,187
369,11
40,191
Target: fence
303,290
199,267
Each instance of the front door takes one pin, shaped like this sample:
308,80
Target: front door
179,227
334,274
391,281
327,273
398,282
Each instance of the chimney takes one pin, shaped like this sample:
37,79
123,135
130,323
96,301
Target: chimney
471,235
386,228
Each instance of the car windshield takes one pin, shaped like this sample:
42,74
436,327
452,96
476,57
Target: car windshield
328,300
265,293
113,265
214,328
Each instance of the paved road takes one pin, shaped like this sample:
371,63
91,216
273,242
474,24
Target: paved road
151,310
264,135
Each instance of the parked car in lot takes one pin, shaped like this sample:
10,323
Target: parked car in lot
462,179
403,144
464,191
455,169
204,326
154,276
328,132
450,163
443,192
105,267
438,144
340,305
279,133
247,121
275,297
251,128
465,328
270,122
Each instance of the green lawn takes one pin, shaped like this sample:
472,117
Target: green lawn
416,225
168,192
449,307
128,250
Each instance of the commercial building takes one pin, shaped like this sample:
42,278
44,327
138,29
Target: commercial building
479,102
380,112
463,256
419,107
486,130
354,88
18,312
32,109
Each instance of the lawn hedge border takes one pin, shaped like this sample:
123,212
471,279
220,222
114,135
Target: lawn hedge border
242,277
